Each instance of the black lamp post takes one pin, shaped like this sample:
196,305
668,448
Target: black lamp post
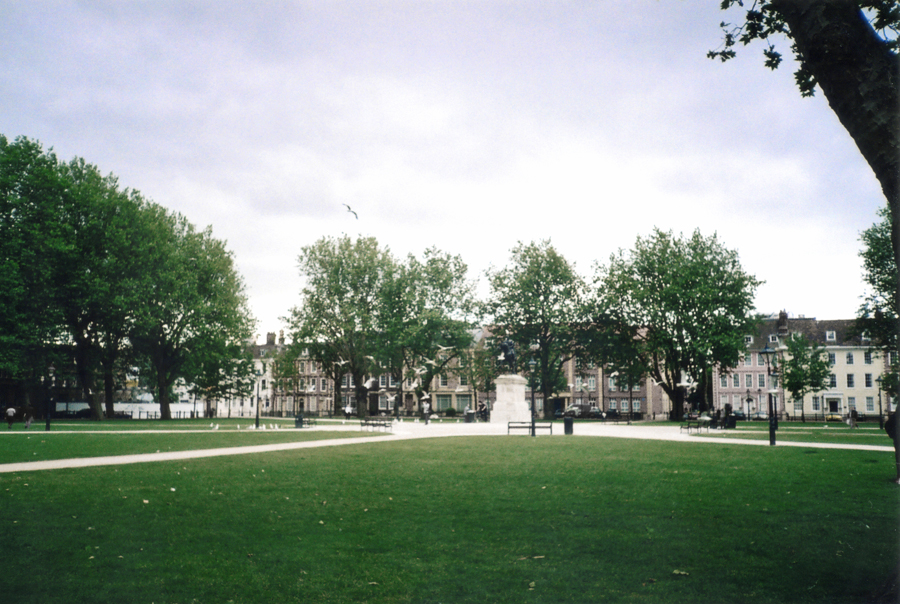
880,414
258,377
749,400
49,400
532,364
771,358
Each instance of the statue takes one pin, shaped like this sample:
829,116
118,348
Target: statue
507,356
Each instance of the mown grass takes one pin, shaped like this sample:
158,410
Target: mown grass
829,433
41,446
469,519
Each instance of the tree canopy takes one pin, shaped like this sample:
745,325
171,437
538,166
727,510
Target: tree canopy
684,303
848,48
94,274
805,368
540,303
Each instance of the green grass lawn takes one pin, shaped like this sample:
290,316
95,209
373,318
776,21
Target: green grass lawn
468,519
40,446
832,433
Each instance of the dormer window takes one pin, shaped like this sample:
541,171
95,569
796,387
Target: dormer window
830,336
773,339
748,340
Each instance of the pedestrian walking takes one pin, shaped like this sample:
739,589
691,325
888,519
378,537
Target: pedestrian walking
426,411
10,416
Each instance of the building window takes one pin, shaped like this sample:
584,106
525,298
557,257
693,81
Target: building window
324,384
849,358
443,381
851,402
382,381
748,340
832,381
592,383
736,381
832,358
868,379
463,401
723,381
748,380
761,380
760,361
723,400
815,403
612,404
612,386
830,336
748,359
443,402
851,381
867,358
463,380
870,404
798,406
773,339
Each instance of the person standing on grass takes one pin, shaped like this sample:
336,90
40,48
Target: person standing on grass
426,411
10,416
890,426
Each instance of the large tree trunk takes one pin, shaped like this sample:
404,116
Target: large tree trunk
860,77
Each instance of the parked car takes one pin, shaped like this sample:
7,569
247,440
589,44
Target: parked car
833,417
759,415
739,415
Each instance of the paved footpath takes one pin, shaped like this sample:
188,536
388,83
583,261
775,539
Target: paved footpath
402,431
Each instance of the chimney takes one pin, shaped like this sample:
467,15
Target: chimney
270,338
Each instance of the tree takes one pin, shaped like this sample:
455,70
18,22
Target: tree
222,369
540,303
684,303
196,303
805,369
30,239
425,317
336,320
849,49
878,316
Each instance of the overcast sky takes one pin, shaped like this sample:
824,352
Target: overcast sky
469,126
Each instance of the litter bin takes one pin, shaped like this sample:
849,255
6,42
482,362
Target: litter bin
730,422
569,424
298,421
470,417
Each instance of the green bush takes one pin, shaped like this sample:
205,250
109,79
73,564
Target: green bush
450,412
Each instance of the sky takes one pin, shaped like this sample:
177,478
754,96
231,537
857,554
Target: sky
469,126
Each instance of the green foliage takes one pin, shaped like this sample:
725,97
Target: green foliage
540,303
764,20
337,318
877,316
805,368
679,305
364,313
195,308
86,269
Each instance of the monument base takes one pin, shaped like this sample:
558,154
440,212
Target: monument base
511,405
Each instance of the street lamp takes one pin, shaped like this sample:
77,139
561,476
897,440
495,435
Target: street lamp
771,357
880,415
749,400
49,402
258,377
532,364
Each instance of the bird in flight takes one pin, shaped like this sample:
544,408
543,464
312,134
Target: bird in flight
349,209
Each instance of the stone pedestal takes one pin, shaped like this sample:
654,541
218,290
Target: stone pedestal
511,404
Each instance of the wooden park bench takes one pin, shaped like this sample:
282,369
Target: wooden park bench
510,426
304,422
375,423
